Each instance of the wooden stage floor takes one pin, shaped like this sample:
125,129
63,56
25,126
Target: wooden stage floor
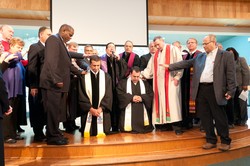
120,138
157,147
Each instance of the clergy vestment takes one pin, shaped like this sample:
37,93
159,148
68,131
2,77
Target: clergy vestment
116,70
138,115
188,104
95,91
167,96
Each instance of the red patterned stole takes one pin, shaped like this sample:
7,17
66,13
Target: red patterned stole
191,101
156,94
130,61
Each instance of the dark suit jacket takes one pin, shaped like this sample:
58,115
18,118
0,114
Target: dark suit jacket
57,65
144,61
242,72
224,80
4,102
83,63
36,60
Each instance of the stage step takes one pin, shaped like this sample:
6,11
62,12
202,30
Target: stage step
175,150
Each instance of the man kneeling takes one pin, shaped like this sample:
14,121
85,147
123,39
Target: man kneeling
135,100
95,100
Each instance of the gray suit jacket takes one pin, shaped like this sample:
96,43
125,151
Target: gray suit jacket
242,72
224,79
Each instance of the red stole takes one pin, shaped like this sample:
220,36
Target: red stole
191,101
130,62
6,45
156,94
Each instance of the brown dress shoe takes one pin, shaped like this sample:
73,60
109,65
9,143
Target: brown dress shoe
208,145
224,147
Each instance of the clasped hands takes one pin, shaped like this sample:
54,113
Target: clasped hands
96,112
137,99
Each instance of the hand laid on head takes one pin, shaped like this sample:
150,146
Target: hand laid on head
142,77
83,72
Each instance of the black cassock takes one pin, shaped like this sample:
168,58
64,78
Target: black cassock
106,103
137,108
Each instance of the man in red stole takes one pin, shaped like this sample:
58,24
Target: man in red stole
129,56
7,33
166,86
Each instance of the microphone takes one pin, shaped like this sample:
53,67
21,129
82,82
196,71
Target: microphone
113,54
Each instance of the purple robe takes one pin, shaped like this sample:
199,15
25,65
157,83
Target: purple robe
14,77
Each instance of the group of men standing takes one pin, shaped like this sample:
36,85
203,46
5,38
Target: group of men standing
49,69
116,98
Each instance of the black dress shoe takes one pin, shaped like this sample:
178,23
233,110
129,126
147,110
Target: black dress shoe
39,138
10,141
81,129
178,132
20,130
58,142
70,130
18,137
202,129
76,127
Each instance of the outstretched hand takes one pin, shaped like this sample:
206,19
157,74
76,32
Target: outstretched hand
164,65
4,57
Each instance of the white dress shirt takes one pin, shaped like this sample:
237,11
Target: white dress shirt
207,74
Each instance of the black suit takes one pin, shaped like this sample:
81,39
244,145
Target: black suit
136,61
4,106
37,114
143,64
56,69
83,63
210,98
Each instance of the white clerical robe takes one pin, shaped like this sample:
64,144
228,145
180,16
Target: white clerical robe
174,92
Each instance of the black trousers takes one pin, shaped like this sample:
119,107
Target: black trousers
10,121
212,115
37,114
55,107
115,113
240,108
230,111
1,144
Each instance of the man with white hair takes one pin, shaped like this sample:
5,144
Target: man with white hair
7,33
166,86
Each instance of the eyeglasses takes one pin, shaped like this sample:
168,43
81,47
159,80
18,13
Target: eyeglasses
204,44
191,42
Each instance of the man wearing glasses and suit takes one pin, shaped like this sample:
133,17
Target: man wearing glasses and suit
212,85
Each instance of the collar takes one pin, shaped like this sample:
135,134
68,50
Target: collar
94,72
